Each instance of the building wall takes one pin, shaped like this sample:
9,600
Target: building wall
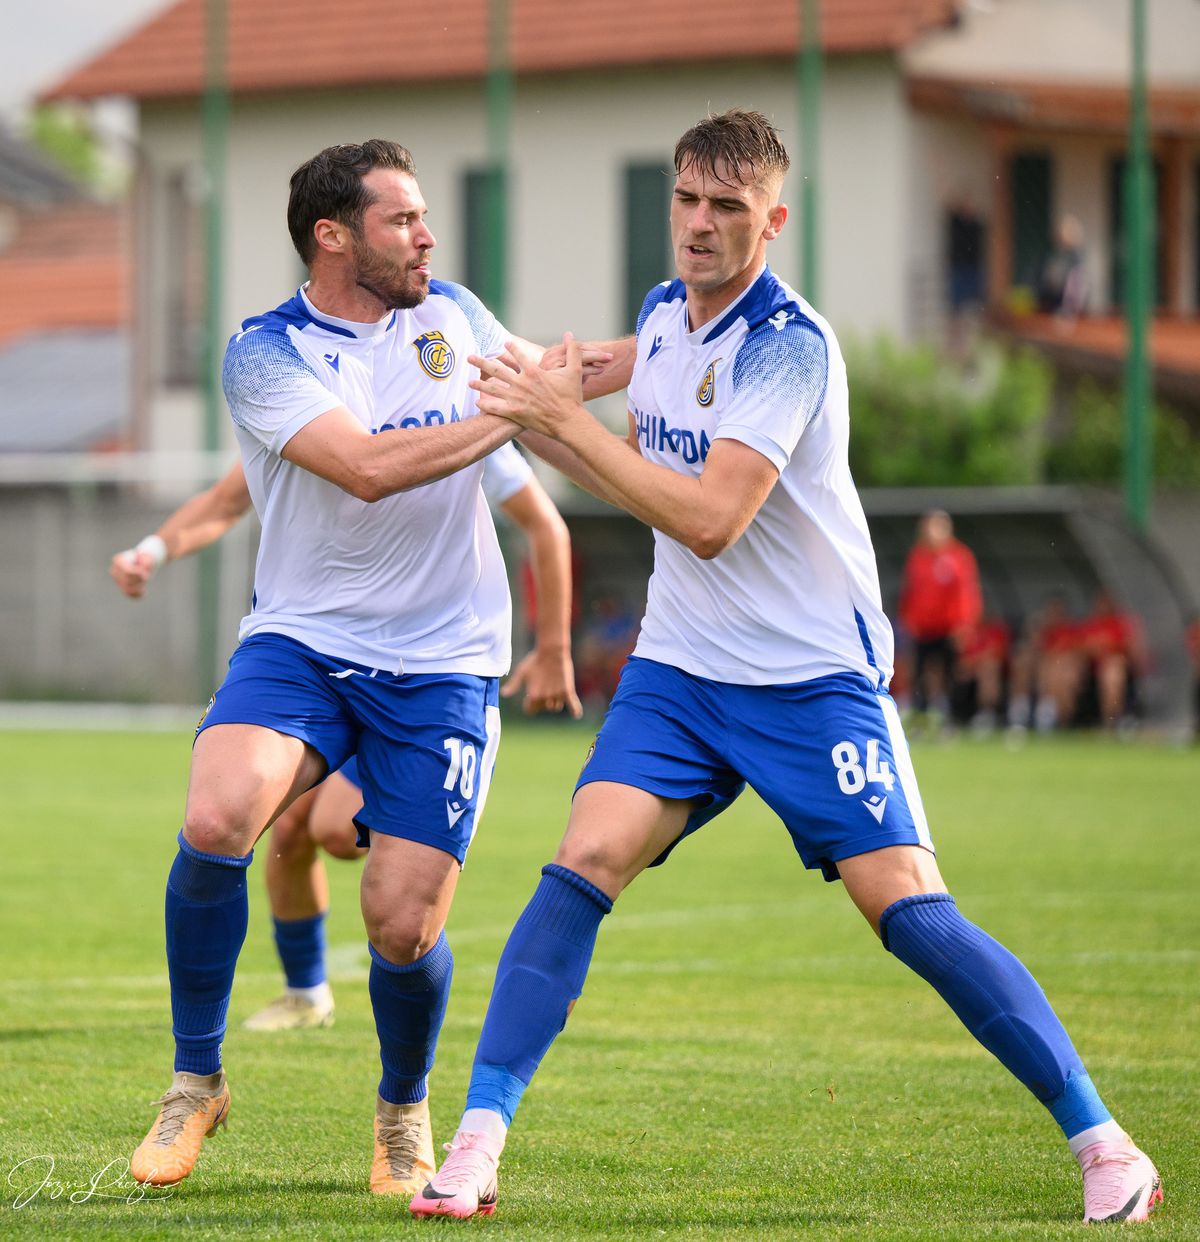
567,231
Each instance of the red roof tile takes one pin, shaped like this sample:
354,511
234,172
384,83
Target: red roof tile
288,44
65,268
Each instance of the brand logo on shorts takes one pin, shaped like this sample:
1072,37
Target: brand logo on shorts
588,757
434,354
876,806
708,385
454,813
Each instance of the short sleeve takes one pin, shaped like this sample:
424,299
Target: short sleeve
490,335
505,473
272,391
777,386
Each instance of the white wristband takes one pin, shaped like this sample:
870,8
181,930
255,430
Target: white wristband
154,548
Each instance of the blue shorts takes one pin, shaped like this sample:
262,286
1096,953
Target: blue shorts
828,756
425,743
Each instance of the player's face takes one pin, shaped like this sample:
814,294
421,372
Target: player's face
720,227
391,249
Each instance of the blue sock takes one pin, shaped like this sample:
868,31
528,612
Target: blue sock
207,911
541,972
409,1004
998,1001
301,946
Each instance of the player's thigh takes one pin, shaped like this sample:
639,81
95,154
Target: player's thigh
337,801
406,891
425,757
879,878
616,831
241,777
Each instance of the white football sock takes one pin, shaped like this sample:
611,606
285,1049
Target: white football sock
483,1121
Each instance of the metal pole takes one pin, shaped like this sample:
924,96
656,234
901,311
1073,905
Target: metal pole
809,67
215,130
1139,279
499,103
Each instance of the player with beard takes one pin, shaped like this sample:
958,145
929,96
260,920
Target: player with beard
379,627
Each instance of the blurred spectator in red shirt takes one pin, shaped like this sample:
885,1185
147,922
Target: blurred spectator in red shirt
1111,641
1192,638
982,663
940,602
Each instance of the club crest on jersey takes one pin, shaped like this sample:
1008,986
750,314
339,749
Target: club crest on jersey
708,385
434,354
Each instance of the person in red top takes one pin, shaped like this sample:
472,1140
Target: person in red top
1111,641
940,602
982,661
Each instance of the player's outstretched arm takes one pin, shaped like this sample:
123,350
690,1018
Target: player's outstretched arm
707,513
339,448
198,522
546,674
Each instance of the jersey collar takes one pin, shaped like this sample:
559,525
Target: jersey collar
341,327
755,305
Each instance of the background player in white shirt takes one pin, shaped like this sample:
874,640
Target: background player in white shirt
379,626
763,659
297,887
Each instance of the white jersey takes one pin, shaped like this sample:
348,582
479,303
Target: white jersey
797,596
505,473
415,582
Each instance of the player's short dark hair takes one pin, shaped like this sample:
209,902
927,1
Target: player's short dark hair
330,187
739,140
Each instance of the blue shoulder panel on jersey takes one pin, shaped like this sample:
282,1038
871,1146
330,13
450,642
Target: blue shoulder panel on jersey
482,322
765,298
294,312
258,358
669,291
787,364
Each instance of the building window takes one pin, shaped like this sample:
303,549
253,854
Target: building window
1031,180
480,272
184,268
647,233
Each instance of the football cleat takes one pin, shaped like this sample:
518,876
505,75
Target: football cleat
1119,1183
194,1106
403,1160
466,1183
291,1012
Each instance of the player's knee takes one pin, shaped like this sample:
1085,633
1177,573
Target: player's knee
596,862
337,837
213,829
401,936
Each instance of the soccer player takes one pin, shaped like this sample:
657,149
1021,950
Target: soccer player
764,658
297,886
379,626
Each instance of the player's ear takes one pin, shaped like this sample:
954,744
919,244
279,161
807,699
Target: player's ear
776,219
332,236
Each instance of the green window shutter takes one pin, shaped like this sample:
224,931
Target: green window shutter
647,233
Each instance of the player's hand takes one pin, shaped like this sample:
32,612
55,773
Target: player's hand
594,358
131,570
548,679
513,386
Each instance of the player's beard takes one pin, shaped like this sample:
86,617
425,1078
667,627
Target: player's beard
397,287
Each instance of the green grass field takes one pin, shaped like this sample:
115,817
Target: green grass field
745,1063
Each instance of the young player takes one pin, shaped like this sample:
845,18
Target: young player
763,658
297,887
379,626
